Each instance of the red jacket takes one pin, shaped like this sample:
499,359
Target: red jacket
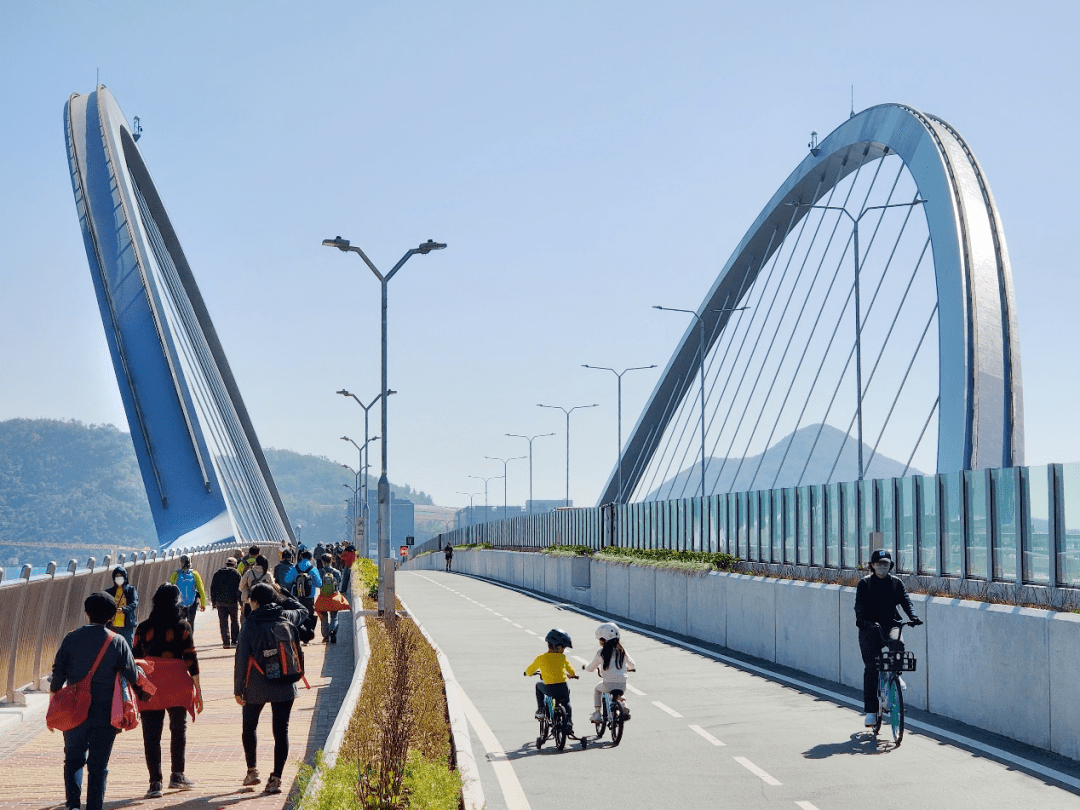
175,687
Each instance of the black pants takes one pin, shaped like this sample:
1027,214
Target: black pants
227,616
153,721
87,745
189,613
870,644
559,691
448,561
279,713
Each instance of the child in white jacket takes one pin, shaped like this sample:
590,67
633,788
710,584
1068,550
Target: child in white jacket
613,663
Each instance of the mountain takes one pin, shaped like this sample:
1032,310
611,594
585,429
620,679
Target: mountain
738,475
69,490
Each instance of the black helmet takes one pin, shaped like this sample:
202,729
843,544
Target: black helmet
882,554
558,638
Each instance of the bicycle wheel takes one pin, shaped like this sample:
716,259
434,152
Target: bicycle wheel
558,725
602,725
896,710
882,701
616,724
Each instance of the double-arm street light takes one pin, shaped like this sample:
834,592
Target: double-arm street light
485,480
470,496
505,461
530,440
365,455
567,412
356,499
858,316
365,461
386,564
618,375
701,358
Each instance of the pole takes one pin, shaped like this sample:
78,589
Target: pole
858,351
701,357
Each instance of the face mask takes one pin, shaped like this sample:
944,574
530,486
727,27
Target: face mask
118,580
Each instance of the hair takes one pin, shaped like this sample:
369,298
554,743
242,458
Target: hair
254,551
613,646
286,555
100,607
263,594
231,562
326,559
165,612
305,555
185,561
262,561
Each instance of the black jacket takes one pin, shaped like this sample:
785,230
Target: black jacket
75,657
225,587
129,613
877,599
247,680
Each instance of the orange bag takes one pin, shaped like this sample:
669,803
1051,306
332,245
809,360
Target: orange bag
331,603
70,706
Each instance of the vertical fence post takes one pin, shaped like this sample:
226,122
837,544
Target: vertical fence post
1056,530
42,620
13,697
72,567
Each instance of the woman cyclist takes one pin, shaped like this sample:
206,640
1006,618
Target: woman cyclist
613,663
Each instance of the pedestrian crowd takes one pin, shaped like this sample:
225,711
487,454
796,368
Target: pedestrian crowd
116,672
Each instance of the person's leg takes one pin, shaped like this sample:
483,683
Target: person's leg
281,712
75,745
235,622
540,693
250,715
598,693
97,761
324,625
333,624
561,693
152,722
223,623
178,732
869,646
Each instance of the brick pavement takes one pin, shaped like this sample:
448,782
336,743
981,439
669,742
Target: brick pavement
31,759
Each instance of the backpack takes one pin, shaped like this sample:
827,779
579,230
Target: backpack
329,583
185,581
278,654
302,585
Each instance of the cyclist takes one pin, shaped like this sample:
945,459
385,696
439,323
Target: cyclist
876,600
613,663
554,669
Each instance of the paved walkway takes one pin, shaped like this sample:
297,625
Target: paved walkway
31,757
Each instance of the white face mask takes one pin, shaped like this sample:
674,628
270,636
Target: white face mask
118,580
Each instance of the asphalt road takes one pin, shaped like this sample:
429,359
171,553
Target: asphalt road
704,733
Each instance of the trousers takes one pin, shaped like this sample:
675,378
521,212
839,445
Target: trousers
90,746
227,619
559,691
153,722
279,714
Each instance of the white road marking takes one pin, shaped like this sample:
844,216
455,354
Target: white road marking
707,735
667,709
511,788
518,626
805,806
530,632
635,690
582,660
497,614
507,620
754,769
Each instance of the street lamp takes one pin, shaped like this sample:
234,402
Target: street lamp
364,454
530,440
386,564
504,463
618,375
485,480
364,466
858,318
567,412
470,496
701,357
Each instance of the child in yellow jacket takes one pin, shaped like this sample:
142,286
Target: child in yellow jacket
554,669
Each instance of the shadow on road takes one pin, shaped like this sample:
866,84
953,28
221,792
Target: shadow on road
861,742
529,749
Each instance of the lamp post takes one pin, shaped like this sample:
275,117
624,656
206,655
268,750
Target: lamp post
485,480
858,310
505,461
386,564
470,496
567,412
363,462
701,358
364,456
618,375
356,503
530,440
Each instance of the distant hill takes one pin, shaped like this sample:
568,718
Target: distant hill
720,473
70,490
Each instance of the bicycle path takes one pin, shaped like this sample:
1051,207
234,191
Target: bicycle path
703,734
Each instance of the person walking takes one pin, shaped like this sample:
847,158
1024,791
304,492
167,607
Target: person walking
249,560
192,592
90,743
274,616
448,553
303,581
282,568
165,641
225,597
348,557
330,600
127,604
255,574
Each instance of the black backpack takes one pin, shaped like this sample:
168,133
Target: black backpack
302,585
278,654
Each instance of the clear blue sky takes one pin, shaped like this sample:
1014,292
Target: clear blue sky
583,161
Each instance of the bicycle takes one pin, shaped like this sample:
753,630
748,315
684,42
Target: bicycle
612,711
553,724
890,662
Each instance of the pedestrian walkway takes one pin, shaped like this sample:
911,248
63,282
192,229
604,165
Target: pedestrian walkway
31,757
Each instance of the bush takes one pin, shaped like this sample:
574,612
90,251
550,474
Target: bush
719,560
431,785
568,550
368,573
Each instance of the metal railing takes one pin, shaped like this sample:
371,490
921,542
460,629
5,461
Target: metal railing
39,611
1017,525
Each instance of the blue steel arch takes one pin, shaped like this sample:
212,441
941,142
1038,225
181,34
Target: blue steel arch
204,471
980,420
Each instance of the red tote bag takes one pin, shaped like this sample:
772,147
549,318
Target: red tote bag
70,706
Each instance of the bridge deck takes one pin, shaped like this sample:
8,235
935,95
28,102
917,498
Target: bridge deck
31,758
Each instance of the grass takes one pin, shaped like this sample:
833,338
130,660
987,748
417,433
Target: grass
654,557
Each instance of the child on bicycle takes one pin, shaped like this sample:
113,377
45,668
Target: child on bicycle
554,669
611,663
877,598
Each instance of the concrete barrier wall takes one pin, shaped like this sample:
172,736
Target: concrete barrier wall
1013,671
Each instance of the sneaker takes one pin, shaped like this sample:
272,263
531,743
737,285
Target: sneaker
180,782
225,645
273,785
596,718
540,714
625,714
252,777
870,719
154,792
333,636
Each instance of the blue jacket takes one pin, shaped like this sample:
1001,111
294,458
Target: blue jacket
307,566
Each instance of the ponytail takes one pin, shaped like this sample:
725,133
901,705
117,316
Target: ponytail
613,646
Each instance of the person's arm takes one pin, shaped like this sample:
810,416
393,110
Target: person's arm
630,665
592,665
316,577
173,576
200,590
568,667
533,668
904,600
862,598
126,662
131,609
60,666
240,662
290,575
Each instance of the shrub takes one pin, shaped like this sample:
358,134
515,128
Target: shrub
719,560
569,550
431,785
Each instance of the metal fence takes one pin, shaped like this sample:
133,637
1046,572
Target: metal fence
39,611
1017,525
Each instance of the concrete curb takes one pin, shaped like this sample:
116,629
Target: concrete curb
472,792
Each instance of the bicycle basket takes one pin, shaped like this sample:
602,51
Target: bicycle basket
895,662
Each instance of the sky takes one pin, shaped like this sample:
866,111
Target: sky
582,160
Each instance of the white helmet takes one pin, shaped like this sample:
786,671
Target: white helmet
607,631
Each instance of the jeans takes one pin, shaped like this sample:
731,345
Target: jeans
227,616
328,623
152,723
559,691
189,614
279,713
90,746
